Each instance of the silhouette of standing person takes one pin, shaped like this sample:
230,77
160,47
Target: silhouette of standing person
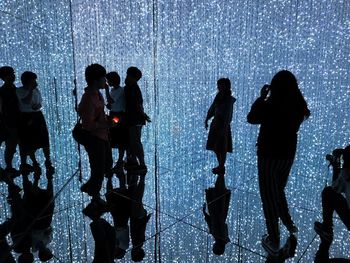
94,121
33,132
116,105
280,116
136,118
9,114
219,137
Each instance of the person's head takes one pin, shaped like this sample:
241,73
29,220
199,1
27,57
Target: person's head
224,86
28,79
133,75
7,74
113,79
285,91
26,257
137,254
95,76
219,247
346,157
45,254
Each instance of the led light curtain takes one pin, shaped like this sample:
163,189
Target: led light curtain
183,48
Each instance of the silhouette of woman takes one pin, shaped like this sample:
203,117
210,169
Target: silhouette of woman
279,116
219,137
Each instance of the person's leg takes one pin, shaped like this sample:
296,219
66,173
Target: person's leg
136,147
96,153
10,147
281,179
335,201
266,169
121,153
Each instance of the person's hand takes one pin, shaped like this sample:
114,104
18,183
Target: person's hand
110,100
264,91
147,118
206,124
36,106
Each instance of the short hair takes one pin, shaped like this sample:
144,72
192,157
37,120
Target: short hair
27,76
5,71
134,72
113,76
94,72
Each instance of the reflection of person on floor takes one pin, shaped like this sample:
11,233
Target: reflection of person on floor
220,138
102,232
40,206
33,132
136,118
20,222
280,116
218,201
5,249
127,204
335,198
116,104
9,114
94,121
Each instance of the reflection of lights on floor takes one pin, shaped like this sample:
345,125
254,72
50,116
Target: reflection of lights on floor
196,43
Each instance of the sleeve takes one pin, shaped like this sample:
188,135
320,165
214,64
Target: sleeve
87,112
38,99
257,112
225,112
211,111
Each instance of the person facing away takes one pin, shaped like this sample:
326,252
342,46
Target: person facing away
94,121
280,116
9,114
335,198
219,137
136,118
33,131
116,105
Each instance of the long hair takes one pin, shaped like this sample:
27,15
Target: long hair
285,94
225,92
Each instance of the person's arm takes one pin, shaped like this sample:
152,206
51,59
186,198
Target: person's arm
87,113
258,110
210,114
38,104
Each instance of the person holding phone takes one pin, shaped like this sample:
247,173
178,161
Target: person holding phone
280,110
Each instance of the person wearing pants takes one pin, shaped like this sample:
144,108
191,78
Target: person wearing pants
280,115
91,111
136,118
9,116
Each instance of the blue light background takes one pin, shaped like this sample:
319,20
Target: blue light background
182,48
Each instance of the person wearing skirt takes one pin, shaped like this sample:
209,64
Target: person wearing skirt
33,132
116,104
219,137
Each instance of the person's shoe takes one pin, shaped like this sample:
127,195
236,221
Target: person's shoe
218,170
271,247
24,167
324,232
292,229
49,167
12,171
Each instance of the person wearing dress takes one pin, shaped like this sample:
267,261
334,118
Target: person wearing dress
219,137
